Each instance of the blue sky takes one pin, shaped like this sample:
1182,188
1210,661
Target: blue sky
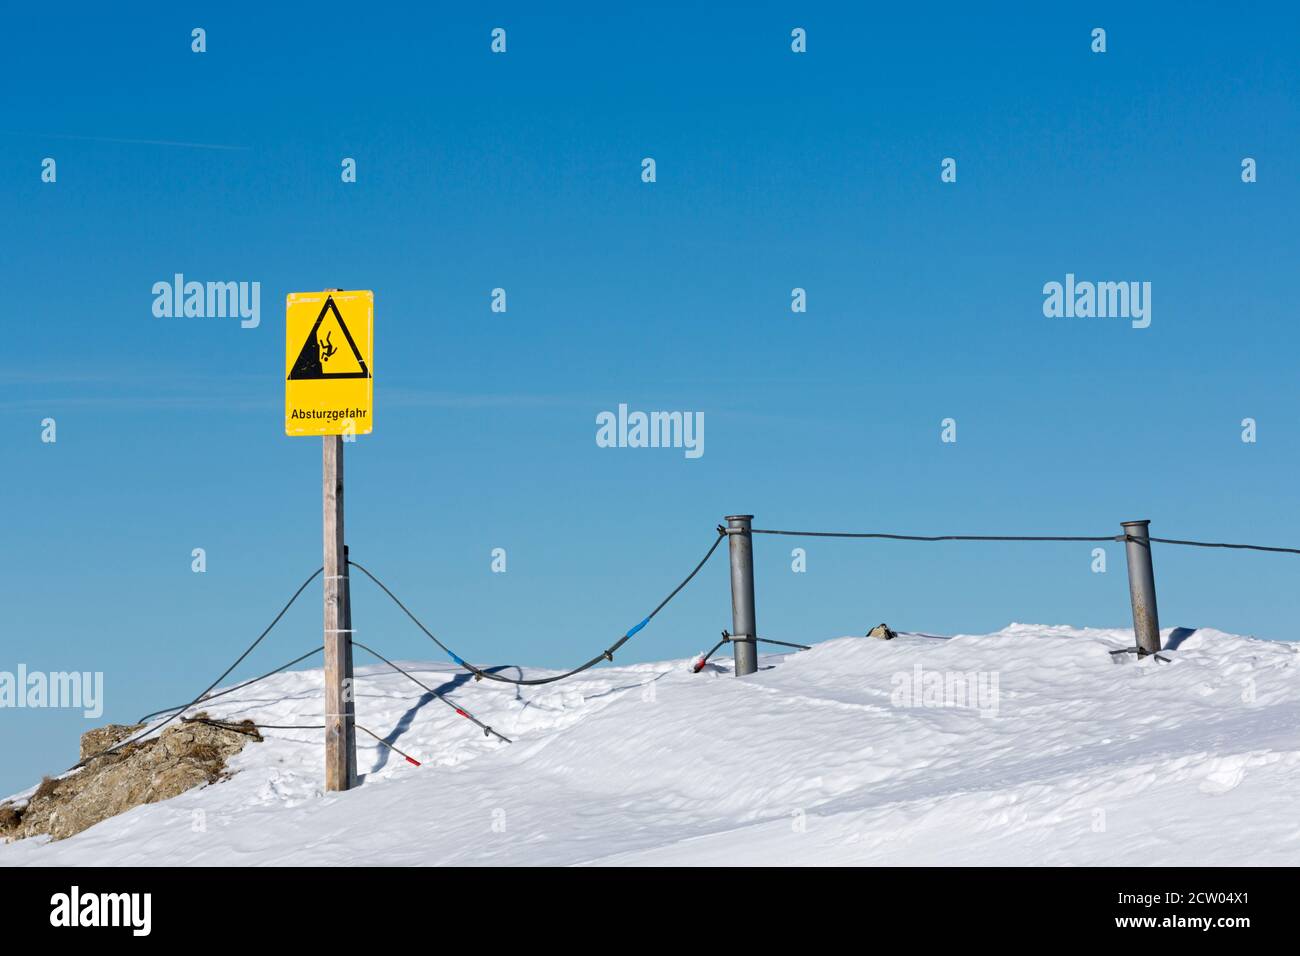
522,171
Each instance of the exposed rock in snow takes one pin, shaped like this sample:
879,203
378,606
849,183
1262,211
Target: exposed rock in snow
157,768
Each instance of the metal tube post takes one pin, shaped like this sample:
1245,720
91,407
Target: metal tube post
740,545
1142,586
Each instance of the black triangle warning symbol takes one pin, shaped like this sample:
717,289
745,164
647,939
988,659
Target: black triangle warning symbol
314,360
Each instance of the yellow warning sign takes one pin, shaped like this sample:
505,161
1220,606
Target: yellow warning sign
329,363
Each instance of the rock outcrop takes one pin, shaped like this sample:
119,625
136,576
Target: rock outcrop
185,755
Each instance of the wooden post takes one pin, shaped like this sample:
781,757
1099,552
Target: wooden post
349,677
340,739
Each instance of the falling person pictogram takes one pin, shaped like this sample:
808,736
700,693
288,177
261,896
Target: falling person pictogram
318,350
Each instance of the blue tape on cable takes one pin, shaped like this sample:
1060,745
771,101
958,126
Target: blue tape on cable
637,628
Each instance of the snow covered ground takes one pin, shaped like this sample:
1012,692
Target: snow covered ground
1034,748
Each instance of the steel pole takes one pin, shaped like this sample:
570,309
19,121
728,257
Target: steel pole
744,626
1142,586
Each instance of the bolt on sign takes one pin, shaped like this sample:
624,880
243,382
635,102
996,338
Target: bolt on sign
329,363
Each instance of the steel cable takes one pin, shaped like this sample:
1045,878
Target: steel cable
1009,537
459,710
607,655
937,537
226,673
231,690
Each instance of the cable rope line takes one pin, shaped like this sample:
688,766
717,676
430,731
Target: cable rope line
1004,537
938,537
704,658
381,740
739,639
224,674
231,690
606,655
459,710
1215,544
241,728
768,640
750,639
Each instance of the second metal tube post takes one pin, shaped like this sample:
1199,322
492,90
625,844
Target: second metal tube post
1142,586
744,627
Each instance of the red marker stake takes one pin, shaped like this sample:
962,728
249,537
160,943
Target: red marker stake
409,758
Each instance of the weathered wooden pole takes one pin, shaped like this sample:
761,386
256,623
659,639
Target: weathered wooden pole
744,627
340,733
349,678
1142,586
